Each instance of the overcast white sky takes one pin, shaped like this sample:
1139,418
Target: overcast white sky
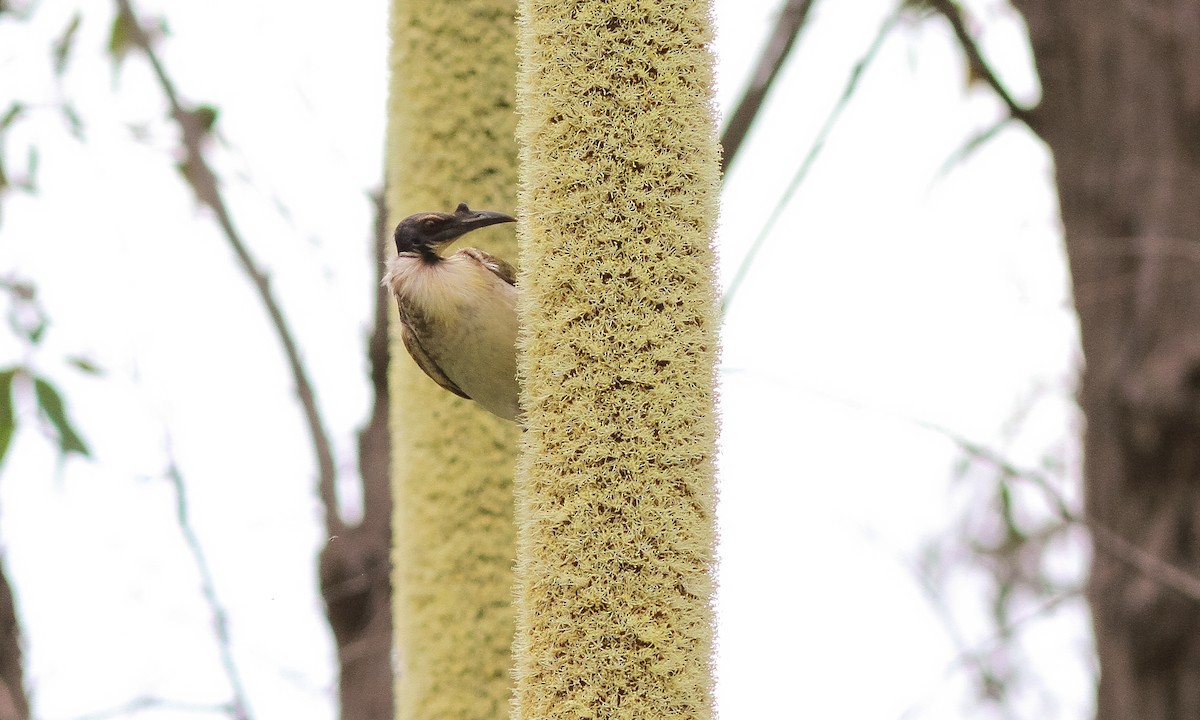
886,297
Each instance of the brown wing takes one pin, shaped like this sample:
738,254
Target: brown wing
498,266
425,362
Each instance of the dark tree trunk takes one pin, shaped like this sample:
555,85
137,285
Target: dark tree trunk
1121,113
13,703
355,565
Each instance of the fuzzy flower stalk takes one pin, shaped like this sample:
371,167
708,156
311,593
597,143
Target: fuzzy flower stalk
618,309
450,139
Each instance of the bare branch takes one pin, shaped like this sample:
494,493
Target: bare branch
14,702
1150,565
1163,572
953,13
354,567
779,46
194,125
813,152
973,657
239,707
149,702
970,146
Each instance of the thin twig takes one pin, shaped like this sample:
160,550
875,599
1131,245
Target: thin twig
148,702
239,707
954,15
813,152
1150,565
971,145
779,46
199,176
1106,539
972,656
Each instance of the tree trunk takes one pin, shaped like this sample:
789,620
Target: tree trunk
615,490
354,565
1121,113
14,705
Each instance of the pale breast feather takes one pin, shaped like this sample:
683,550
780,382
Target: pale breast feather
458,322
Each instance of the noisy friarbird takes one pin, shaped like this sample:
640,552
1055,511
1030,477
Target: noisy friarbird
458,314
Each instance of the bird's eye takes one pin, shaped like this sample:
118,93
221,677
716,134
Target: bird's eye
430,223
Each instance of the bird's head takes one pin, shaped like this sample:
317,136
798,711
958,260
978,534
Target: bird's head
427,232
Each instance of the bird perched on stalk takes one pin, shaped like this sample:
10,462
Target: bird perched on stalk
458,314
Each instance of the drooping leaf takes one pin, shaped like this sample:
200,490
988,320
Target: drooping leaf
197,123
36,331
51,404
62,46
74,122
973,144
85,365
29,182
14,111
122,38
920,7
206,117
8,419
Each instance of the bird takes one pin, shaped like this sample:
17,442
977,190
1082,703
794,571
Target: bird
458,314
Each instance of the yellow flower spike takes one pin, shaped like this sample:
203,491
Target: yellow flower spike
618,308
451,139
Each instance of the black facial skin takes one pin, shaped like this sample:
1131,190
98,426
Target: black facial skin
424,233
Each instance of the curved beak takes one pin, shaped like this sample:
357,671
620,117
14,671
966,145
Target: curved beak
468,220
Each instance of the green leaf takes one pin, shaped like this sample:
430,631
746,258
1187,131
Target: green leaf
85,365
206,117
29,183
62,47
122,37
74,122
8,420
36,332
51,403
14,111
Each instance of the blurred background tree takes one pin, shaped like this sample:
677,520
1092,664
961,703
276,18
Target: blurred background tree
931,358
